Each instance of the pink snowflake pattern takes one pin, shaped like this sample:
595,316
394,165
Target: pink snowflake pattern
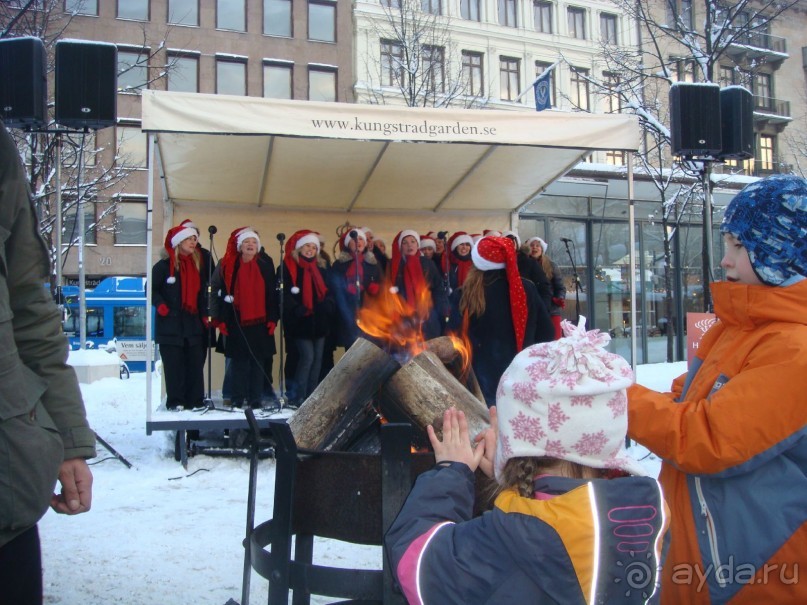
556,416
626,372
500,390
538,371
524,392
527,429
618,404
568,379
585,400
505,447
591,444
555,449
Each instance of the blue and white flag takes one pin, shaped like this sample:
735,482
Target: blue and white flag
542,88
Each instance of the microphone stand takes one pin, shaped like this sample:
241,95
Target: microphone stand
282,376
355,237
578,287
209,399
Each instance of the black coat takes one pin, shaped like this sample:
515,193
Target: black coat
297,324
345,297
178,325
492,337
246,341
441,310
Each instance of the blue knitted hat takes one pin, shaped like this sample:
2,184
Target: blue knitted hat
769,218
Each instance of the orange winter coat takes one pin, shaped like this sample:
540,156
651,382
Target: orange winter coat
733,437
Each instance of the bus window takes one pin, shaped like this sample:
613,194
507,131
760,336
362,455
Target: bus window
130,322
95,322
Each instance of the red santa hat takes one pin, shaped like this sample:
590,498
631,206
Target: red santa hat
189,223
395,263
537,239
427,242
244,235
491,233
476,237
460,237
360,234
174,237
514,235
295,242
491,253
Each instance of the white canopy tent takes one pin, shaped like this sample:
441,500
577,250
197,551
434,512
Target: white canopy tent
301,159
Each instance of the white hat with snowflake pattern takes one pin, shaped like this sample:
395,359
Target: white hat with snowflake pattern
566,399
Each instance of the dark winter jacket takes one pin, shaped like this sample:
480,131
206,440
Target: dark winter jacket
179,325
596,542
558,289
297,323
42,417
245,341
347,299
531,269
493,340
433,326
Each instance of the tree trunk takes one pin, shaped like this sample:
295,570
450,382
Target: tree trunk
422,390
341,405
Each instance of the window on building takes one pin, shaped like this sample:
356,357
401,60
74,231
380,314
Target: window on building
277,80
130,221
576,18
508,13
608,33
679,12
469,9
277,18
71,146
434,7
433,67
612,99
684,70
542,12
137,10
766,156
541,67
473,73
322,21
615,158
81,7
392,62
183,73
391,3
578,92
509,78
725,75
231,77
763,91
183,12
321,84
132,146
231,14
70,223
133,70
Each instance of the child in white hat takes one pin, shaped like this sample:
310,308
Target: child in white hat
576,520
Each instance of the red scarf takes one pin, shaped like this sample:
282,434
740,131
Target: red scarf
414,281
190,282
249,293
463,267
350,274
312,283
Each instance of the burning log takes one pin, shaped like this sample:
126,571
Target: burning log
340,406
446,349
422,390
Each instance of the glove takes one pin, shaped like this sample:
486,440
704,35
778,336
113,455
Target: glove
351,289
207,321
271,327
163,310
372,289
223,329
559,302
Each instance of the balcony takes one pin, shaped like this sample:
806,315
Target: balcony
757,45
760,168
771,111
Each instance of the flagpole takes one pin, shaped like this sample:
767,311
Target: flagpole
541,75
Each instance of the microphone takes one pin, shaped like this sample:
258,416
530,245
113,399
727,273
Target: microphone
442,234
354,234
281,237
212,229
566,240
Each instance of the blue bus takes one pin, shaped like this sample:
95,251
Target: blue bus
116,311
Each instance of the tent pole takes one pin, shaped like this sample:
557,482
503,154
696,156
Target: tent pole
149,229
632,256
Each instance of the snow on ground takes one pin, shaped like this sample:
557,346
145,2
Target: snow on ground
158,534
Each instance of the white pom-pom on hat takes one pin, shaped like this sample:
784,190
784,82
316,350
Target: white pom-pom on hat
171,280
229,298
394,289
295,290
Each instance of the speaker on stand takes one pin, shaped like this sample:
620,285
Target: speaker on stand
23,83
695,120
737,123
86,84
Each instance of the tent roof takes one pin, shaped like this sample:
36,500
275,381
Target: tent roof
304,155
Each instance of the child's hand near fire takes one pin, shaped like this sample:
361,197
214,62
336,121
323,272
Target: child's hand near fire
456,443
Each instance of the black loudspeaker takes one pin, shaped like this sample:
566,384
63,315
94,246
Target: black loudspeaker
23,83
737,123
86,84
695,120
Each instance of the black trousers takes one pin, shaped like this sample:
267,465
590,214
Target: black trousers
247,380
183,366
21,570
